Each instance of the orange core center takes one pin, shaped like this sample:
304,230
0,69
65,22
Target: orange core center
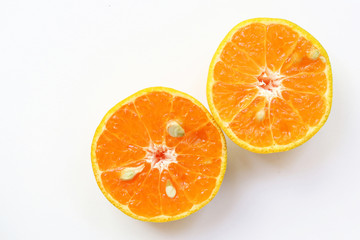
159,155
267,81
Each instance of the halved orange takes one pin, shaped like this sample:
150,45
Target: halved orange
270,85
159,155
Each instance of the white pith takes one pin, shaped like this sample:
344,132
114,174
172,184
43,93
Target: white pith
169,156
275,88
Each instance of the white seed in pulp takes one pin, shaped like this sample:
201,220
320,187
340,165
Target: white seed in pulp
175,130
313,54
170,190
260,115
130,172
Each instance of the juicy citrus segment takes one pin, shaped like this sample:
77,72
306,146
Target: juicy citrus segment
239,59
286,124
253,123
251,39
270,85
203,165
307,82
179,203
149,172
146,200
123,191
205,141
113,151
305,58
226,74
123,121
311,107
197,187
280,43
153,110
231,98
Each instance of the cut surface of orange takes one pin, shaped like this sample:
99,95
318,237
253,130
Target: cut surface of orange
269,85
159,155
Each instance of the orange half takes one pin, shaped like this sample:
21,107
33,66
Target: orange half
159,155
270,85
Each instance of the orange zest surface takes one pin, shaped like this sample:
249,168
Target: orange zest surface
150,174
270,85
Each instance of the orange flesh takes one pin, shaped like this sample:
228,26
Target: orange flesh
269,85
136,135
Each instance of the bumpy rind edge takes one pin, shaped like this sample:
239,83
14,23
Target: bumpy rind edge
328,94
124,208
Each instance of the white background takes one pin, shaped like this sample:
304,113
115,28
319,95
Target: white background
63,64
